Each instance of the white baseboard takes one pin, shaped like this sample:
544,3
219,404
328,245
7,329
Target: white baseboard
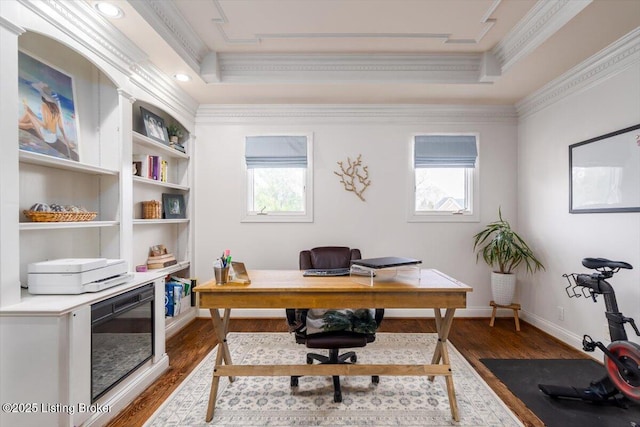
554,330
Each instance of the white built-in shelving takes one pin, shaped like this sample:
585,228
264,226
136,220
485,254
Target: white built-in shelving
174,233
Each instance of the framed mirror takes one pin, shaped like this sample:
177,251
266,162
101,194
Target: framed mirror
604,173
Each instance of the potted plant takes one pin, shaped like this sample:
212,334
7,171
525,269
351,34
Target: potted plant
504,250
175,133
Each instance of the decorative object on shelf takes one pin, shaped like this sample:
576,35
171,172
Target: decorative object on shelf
173,205
604,173
175,133
154,126
42,212
48,119
354,177
502,247
136,168
151,209
159,257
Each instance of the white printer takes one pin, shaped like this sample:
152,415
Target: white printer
76,275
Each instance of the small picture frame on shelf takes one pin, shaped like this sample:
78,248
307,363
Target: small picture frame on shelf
173,206
154,126
136,168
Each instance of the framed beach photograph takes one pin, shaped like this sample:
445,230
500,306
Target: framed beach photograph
48,121
605,173
154,126
173,206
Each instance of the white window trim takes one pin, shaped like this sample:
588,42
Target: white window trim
433,216
307,216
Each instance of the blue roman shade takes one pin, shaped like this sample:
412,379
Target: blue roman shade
280,151
445,151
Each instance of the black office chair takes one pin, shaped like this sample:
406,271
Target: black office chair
329,257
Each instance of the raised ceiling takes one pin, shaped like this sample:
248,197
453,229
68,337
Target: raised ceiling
371,51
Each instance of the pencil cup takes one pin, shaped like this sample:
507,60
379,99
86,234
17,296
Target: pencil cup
222,275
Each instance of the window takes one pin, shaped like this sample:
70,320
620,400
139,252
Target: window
445,178
278,178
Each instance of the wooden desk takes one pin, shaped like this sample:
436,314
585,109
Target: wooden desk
289,289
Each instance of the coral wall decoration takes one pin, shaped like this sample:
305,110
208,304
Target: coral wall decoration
354,176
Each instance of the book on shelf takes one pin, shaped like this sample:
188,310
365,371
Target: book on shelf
164,170
160,258
178,147
161,264
151,167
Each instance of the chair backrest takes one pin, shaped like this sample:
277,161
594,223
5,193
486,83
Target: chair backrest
324,257
328,257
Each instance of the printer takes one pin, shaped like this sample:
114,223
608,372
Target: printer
76,275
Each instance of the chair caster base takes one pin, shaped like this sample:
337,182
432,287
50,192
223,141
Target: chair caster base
375,379
294,381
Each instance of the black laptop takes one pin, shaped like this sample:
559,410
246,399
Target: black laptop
326,272
385,262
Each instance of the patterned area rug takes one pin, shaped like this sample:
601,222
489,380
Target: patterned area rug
395,401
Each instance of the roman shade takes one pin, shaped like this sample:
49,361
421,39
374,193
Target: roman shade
445,151
279,151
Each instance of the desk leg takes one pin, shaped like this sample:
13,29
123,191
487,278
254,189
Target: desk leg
441,354
221,328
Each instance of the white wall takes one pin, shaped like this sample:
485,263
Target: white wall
609,102
378,226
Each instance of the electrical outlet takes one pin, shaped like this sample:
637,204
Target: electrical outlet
560,313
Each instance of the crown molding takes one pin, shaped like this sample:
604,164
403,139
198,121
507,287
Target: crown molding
542,21
609,61
336,68
10,26
167,21
355,114
80,22
147,77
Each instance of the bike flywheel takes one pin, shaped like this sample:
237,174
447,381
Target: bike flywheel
627,380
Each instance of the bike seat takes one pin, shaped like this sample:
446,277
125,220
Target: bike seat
595,263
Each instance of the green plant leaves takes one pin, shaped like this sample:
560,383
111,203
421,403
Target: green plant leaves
500,246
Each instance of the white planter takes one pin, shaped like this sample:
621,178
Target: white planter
503,288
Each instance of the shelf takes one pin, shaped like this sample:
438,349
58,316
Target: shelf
148,181
63,225
65,164
160,221
142,140
172,268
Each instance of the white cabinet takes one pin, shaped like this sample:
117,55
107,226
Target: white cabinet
46,360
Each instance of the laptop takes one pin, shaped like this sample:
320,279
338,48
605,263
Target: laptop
326,272
240,271
385,262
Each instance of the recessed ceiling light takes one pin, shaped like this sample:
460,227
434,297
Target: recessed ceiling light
109,10
181,77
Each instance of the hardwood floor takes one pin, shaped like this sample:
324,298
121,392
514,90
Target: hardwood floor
472,337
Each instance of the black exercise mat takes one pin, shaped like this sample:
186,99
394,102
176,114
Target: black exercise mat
522,377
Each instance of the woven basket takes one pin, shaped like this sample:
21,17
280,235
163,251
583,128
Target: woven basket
38,216
151,209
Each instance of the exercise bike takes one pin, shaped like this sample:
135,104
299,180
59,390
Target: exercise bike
621,357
